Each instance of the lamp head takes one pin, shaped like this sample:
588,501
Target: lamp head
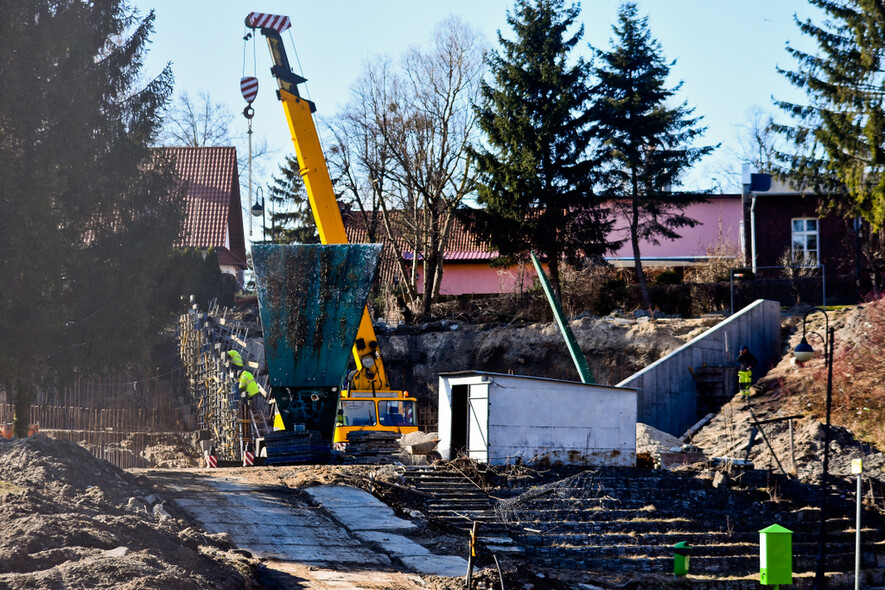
257,209
803,351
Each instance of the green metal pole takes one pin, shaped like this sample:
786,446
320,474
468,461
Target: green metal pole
570,342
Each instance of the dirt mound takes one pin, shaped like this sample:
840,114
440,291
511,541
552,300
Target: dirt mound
651,440
728,436
76,521
172,451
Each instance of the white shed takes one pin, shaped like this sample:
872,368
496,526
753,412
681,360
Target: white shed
498,419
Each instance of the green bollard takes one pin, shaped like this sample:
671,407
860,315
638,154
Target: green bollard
681,552
775,555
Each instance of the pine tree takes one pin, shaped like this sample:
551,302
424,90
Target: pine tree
90,213
536,177
644,144
838,138
292,220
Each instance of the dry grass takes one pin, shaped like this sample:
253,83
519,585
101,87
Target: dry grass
858,401
858,375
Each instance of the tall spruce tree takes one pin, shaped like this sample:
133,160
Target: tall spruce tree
645,144
535,175
838,138
90,218
292,220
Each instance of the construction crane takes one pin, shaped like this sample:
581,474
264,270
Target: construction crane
367,401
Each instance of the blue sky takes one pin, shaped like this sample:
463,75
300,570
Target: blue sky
726,52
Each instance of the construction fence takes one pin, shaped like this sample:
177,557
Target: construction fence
118,418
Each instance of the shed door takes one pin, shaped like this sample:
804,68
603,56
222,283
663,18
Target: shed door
478,422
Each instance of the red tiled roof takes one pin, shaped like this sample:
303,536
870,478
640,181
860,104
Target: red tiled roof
211,178
462,245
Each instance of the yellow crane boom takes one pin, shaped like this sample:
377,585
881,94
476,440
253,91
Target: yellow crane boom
370,378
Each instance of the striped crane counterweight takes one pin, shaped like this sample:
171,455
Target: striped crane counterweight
263,20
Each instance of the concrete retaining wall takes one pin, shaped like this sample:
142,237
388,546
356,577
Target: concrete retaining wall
667,390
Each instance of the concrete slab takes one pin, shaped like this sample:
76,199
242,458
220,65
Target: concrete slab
371,520
320,555
394,544
357,509
336,495
332,545
273,527
437,565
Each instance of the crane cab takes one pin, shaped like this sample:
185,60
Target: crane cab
379,411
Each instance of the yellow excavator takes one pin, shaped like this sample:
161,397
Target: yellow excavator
367,402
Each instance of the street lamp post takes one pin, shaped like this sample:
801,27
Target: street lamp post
803,352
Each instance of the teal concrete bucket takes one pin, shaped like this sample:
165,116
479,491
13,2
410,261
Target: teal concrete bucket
311,299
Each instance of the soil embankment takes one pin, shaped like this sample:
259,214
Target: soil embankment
615,348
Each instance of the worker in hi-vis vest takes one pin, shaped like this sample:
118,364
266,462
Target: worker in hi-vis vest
235,359
747,362
248,386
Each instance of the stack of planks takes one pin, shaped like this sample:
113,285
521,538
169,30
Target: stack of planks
296,448
369,446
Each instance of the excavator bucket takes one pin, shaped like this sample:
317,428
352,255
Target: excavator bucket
311,299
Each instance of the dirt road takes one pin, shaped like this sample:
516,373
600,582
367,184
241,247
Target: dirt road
320,541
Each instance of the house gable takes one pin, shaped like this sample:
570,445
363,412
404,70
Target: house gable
214,214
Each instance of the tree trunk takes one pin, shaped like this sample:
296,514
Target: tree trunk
640,278
410,290
553,271
22,407
430,264
634,240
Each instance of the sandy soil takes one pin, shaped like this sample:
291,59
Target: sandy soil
73,521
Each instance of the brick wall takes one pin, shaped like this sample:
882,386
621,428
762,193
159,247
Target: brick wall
774,214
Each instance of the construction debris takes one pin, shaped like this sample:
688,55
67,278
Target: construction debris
653,441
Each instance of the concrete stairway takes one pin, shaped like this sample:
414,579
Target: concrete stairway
455,501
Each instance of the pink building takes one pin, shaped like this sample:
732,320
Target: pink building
718,234
467,261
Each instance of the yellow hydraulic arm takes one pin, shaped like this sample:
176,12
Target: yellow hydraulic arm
370,375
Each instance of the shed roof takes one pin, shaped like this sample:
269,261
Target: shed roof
470,373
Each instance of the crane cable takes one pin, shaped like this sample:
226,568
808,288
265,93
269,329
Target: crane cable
300,69
249,112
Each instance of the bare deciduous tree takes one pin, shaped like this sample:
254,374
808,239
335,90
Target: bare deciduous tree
400,148
758,140
197,122
201,122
